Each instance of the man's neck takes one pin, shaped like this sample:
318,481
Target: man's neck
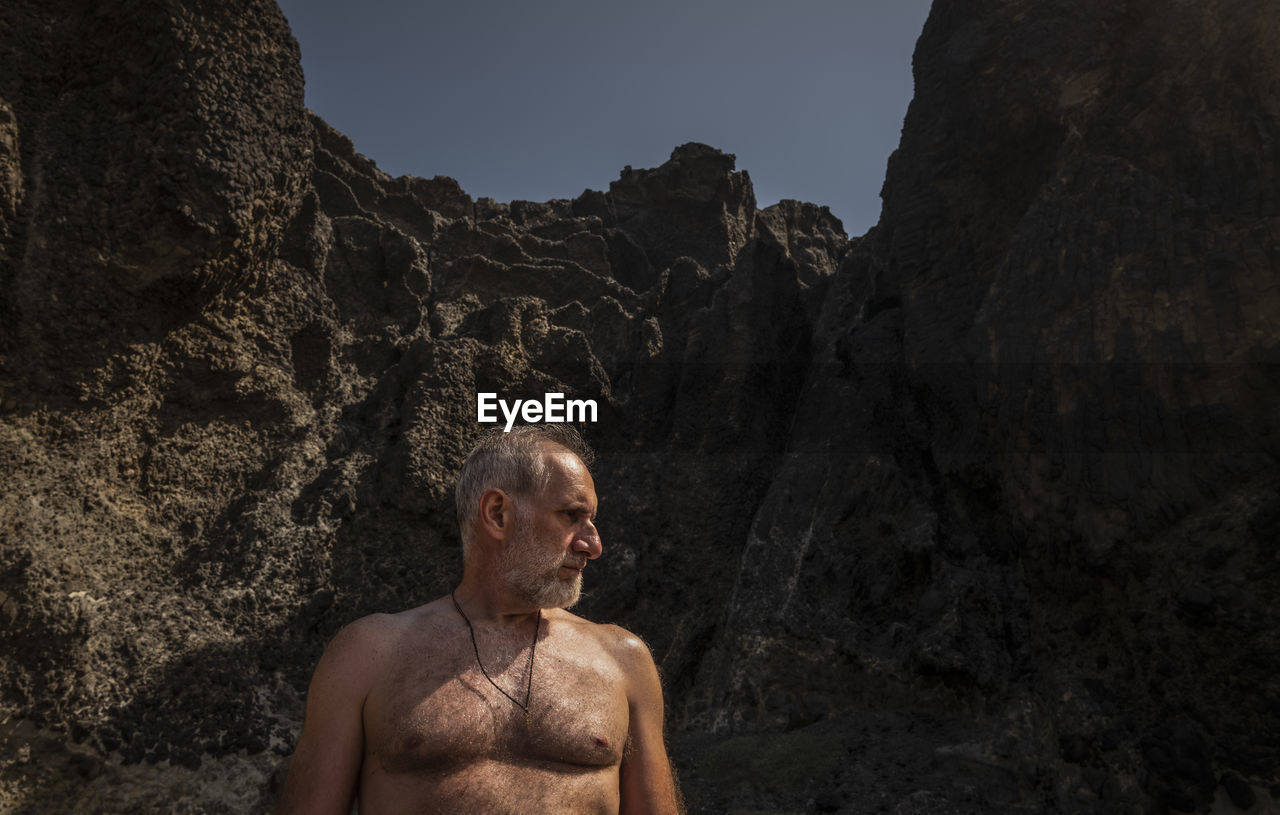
493,602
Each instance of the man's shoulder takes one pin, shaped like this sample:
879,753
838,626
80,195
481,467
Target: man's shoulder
363,640
374,633
624,643
625,646
632,656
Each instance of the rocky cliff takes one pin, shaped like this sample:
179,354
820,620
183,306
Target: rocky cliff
976,512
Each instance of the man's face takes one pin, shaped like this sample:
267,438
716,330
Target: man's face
554,535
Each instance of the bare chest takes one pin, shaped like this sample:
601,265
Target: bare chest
438,713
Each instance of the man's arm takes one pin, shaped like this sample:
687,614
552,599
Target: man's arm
648,786
325,770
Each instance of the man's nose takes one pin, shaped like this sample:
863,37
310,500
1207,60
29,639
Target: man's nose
588,542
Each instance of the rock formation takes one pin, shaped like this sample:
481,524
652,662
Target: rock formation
976,512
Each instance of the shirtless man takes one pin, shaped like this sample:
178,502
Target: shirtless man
493,699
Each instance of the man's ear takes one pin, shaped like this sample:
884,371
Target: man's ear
496,512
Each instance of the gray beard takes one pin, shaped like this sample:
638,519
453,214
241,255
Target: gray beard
538,583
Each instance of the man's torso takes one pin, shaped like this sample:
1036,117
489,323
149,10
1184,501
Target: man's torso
439,737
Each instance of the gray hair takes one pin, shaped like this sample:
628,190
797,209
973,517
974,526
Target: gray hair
512,462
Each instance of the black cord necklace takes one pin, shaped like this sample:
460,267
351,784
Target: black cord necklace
528,692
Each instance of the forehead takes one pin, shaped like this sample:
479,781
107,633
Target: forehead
568,477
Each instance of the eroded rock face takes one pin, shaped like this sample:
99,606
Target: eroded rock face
1030,460
975,512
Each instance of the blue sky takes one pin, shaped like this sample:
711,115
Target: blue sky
538,100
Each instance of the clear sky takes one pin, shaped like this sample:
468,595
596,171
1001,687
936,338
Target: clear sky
541,99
